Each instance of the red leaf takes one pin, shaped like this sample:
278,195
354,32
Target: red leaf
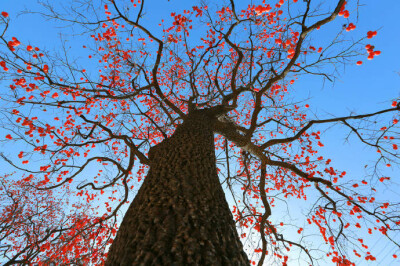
371,34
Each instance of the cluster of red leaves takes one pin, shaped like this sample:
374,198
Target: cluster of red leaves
38,227
371,52
13,43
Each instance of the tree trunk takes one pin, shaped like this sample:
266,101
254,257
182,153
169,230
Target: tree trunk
180,215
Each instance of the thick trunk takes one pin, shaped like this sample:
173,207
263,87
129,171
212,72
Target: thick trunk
180,215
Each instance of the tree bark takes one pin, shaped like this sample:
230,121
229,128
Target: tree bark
180,215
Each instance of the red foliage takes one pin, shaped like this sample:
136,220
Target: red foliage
38,226
140,87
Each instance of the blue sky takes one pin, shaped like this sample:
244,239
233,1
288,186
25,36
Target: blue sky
366,88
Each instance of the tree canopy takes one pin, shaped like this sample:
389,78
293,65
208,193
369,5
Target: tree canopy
82,128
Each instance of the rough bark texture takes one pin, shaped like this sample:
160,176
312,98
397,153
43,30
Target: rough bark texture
180,215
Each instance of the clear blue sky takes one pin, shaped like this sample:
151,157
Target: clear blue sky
364,88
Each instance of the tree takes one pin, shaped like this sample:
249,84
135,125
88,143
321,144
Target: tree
35,227
157,100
